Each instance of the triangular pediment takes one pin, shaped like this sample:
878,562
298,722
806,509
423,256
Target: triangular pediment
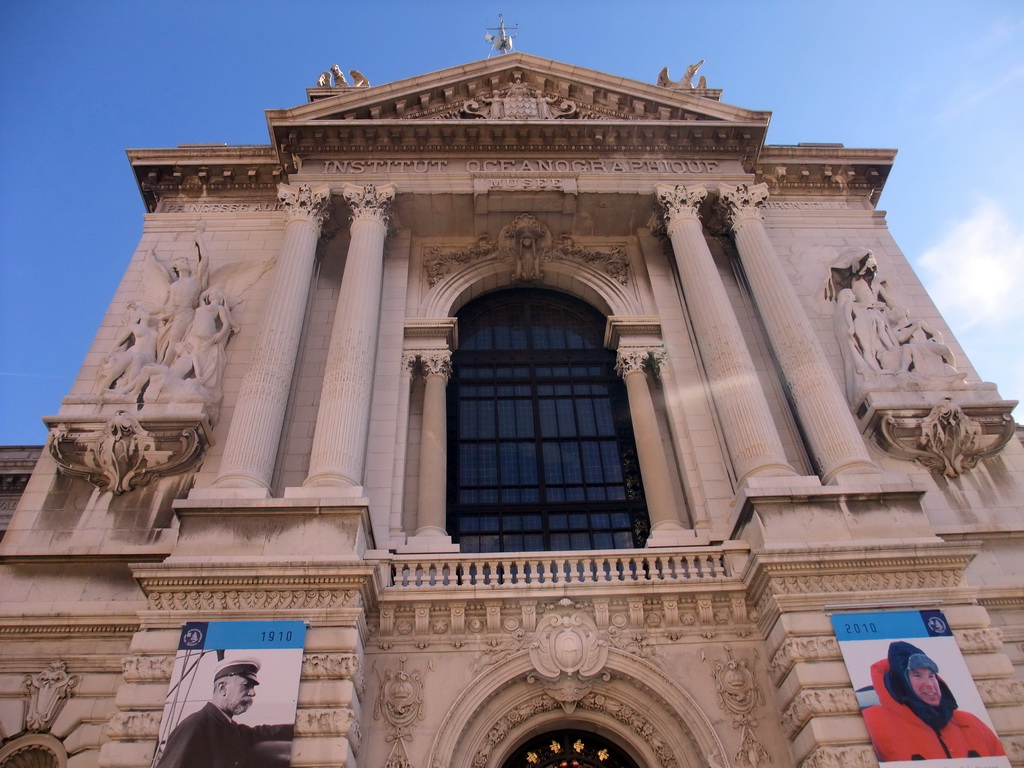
516,87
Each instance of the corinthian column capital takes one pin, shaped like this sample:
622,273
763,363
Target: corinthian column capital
370,202
741,203
305,203
633,359
680,200
436,363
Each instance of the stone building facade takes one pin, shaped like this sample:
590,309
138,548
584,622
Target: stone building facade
552,402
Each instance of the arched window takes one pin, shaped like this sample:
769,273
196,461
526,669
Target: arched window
569,749
541,452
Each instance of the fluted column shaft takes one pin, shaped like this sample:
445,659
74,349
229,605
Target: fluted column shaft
339,441
255,431
631,364
750,433
433,485
820,404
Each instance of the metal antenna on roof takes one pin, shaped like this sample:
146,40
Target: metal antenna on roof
502,41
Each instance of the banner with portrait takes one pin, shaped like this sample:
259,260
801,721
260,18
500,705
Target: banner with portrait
232,696
915,692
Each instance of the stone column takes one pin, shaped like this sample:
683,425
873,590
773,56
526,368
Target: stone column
750,434
339,442
432,498
255,431
631,364
821,406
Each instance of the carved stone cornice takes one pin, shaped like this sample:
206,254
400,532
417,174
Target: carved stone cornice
121,452
134,726
810,703
370,202
797,649
841,757
1001,693
802,581
240,587
989,640
305,203
147,669
325,722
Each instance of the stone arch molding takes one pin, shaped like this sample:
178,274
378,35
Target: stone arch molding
609,284
34,750
649,715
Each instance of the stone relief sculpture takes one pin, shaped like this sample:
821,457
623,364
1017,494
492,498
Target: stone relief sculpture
400,706
739,694
335,78
122,455
526,241
172,346
686,82
519,102
567,653
47,693
882,347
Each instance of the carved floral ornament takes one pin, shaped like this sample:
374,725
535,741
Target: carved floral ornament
527,243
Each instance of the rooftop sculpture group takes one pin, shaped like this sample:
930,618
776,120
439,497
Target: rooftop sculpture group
335,78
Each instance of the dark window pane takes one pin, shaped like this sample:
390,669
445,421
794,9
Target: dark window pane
528,458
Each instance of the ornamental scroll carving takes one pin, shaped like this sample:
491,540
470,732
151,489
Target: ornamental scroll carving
400,706
567,653
122,455
527,243
519,102
739,694
946,440
48,691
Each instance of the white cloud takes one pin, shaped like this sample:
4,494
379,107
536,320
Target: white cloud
975,273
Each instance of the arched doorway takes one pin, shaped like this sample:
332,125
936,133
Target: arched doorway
569,748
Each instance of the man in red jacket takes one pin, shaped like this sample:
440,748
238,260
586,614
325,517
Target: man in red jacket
210,738
918,718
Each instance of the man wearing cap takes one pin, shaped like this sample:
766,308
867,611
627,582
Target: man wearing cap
210,738
917,717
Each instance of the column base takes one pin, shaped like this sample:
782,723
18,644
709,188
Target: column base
213,492
347,492
428,541
674,535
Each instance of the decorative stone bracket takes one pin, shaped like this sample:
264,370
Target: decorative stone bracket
941,435
119,453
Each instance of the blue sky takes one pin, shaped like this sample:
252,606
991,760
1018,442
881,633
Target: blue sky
84,81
